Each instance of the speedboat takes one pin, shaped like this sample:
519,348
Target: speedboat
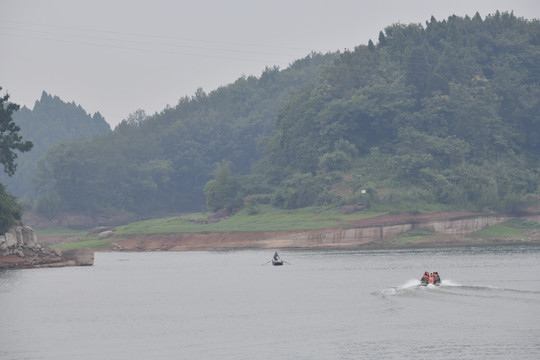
430,278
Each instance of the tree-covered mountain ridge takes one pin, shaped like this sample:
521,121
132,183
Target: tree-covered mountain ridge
443,114
48,123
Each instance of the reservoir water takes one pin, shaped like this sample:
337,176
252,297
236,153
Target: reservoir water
331,304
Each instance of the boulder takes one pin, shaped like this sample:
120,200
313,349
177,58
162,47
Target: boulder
29,237
80,257
11,238
105,234
100,229
19,249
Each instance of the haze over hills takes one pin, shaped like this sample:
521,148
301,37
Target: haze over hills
49,122
445,113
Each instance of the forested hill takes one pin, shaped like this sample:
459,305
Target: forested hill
161,163
446,112
50,122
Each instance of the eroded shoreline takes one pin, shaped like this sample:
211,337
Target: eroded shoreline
448,229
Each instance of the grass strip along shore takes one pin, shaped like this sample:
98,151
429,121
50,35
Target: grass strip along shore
268,222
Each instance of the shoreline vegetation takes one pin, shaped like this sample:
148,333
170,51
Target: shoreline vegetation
303,228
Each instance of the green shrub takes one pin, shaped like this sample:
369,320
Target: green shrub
10,210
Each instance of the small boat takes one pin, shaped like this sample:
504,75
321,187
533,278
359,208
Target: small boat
276,260
430,278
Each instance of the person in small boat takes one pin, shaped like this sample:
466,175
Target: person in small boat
425,278
436,278
276,256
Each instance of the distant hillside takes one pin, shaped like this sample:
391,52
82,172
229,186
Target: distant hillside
50,122
161,163
447,112
444,114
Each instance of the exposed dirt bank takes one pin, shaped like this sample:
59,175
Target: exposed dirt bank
380,232
246,240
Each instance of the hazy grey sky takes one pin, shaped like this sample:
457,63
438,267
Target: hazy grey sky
117,56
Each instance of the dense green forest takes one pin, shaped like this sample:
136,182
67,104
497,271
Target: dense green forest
443,113
50,122
161,163
448,112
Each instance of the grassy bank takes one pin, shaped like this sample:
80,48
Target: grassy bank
58,231
513,228
267,218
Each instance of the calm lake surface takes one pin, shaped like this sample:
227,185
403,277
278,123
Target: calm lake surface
331,304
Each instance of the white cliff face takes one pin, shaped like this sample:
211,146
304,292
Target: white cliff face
17,239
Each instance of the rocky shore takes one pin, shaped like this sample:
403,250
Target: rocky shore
19,249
